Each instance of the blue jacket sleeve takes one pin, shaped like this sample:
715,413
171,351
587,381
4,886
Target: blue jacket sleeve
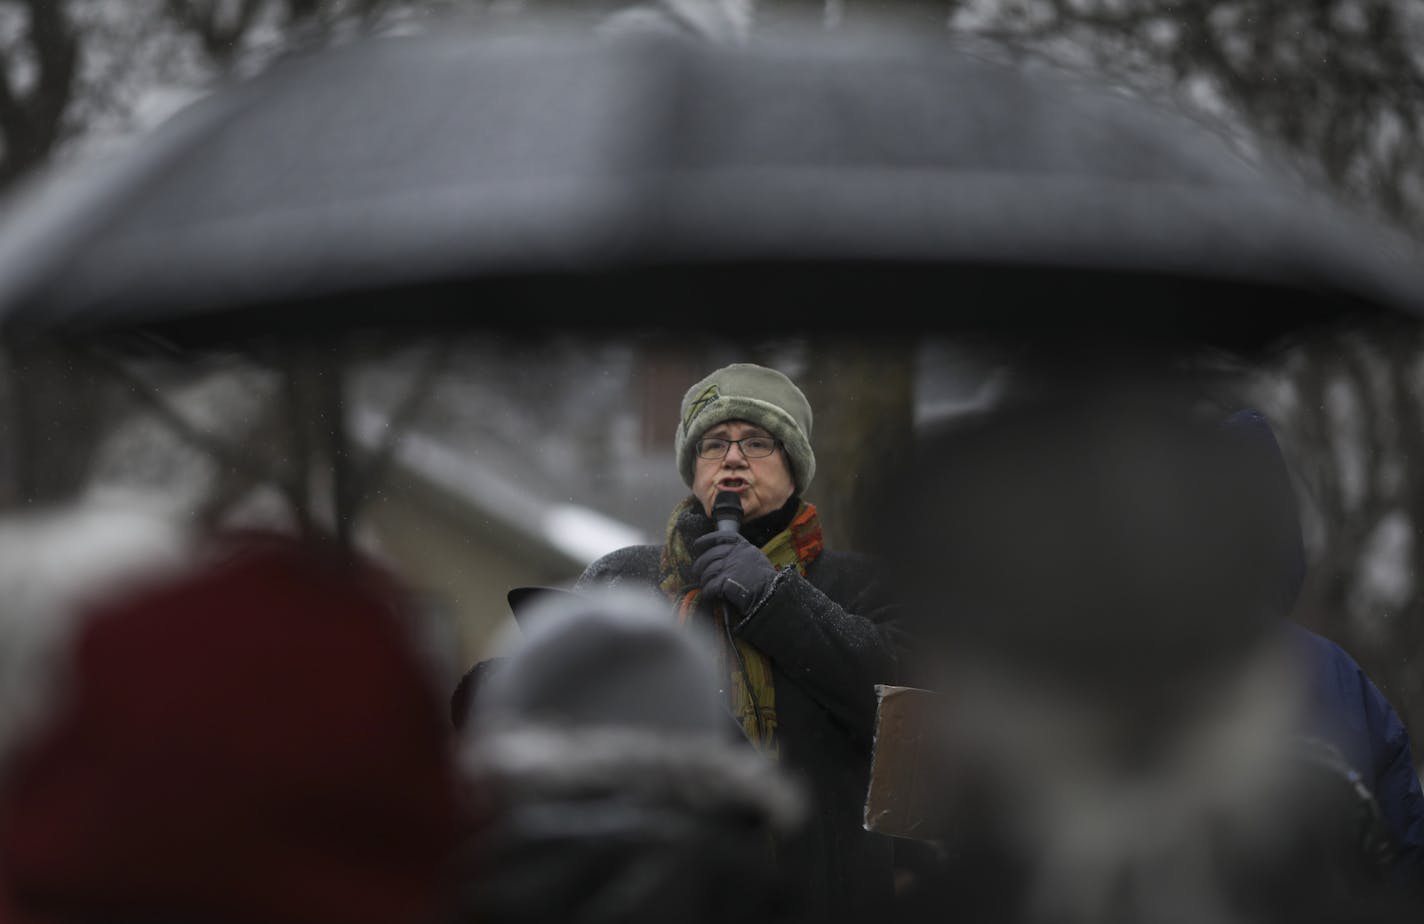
1352,713
1397,788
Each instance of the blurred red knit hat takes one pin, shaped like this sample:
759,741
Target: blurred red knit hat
255,742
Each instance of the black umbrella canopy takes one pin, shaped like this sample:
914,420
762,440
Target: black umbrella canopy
559,179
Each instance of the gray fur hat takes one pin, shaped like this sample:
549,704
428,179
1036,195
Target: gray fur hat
758,395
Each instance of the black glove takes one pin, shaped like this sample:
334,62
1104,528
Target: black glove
730,568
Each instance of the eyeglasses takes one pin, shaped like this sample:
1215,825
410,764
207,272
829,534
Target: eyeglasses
753,447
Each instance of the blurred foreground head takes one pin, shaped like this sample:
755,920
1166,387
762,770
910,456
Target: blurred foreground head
1099,574
1108,542
247,738
614,786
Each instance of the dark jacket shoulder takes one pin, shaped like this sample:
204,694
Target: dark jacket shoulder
630,565
638,564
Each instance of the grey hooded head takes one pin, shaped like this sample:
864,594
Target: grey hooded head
617,660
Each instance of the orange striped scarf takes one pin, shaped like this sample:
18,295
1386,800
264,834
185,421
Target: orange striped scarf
752,689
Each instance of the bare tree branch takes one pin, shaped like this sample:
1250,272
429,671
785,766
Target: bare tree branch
220,40
32,123
215,447
376,465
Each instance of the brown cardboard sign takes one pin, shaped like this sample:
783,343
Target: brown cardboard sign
900,801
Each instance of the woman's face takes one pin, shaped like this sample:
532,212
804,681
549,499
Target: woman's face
764,485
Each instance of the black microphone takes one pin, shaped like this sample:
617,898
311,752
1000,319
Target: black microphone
727,512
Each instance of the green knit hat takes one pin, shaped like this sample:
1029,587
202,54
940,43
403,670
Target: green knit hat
758,395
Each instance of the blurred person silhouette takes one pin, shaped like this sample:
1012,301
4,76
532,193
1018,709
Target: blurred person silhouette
804,632
611,784
1096,575
52,564
239,732
521,601
1344,706
469,684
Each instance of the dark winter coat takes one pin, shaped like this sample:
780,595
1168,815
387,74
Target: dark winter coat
830,636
